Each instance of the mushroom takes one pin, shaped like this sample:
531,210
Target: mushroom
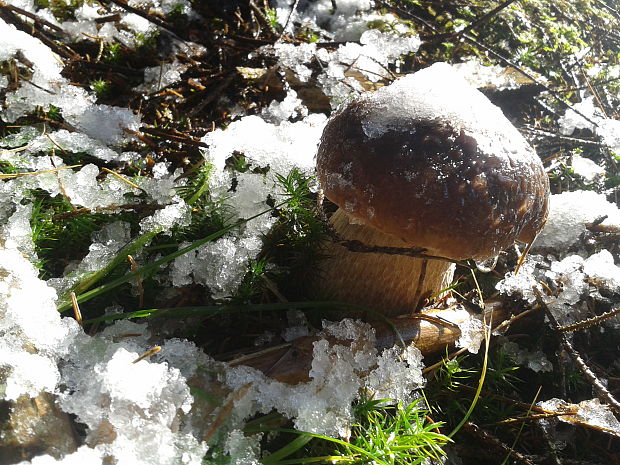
426,162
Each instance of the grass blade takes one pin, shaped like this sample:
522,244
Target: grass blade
213,310
151,267
289,449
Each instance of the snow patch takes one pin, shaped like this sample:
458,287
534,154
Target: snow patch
569,213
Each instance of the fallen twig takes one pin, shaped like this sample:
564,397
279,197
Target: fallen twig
431,331
597,384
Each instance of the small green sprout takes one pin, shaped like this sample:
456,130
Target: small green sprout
101,87
272,18
54,113
112,53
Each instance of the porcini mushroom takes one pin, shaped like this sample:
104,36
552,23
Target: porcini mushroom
426,162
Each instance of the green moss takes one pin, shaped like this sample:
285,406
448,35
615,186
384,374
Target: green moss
63,10
101,87
61,234
293,244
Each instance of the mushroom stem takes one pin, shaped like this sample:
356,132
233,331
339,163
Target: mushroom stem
391,284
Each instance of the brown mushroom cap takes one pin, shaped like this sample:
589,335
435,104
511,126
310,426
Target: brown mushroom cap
432,161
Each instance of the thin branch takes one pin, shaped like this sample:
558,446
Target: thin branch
588,323
484,18
262,16
34,17
153,19
288,20
494,441
60,49
560,137
585,369
506,61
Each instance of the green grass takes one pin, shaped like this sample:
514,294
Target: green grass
394,435
380,435
61,234
145,270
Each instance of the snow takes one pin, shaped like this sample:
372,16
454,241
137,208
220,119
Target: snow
590,412
159,77
524,283
81,456
163,220
30,342
133,27
139,404
569,280
569,213
607,129
398,373
535,361
496,77
83,189
440,93
602,271
567,277
71,142
271,142
472,335
323,404
220,265
586,168
107,124
120,380
21,380
279,147
290,107
572,120
144,413
346,22
17,231
297,325
243,449
337,77
294,57
48,87
46,64
106,244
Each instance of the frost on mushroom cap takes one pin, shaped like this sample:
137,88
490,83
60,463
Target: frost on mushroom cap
431,160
